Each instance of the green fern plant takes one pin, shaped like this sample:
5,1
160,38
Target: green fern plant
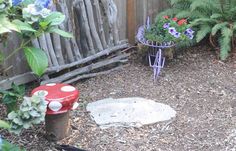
215,19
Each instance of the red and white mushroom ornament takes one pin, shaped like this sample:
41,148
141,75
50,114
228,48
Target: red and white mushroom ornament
60,97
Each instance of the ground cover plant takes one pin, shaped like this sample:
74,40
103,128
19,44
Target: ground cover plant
12,97
213,18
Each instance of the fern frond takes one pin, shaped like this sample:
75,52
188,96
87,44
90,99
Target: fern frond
174,2
225,42
207,5
234,26
216,16
168,12
217,27
203,21
231,13
183,14
203,32
198,14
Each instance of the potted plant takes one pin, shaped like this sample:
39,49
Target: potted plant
169,31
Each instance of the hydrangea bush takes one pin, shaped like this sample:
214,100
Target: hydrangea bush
168,29
32,111
31,19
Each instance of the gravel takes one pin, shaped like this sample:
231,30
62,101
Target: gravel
200,88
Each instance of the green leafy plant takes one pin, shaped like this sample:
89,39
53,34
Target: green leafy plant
30,19
32,111
12,97
214,19
7,146
4,124
4,144
167,29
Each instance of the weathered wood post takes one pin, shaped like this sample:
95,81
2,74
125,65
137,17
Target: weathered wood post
131,20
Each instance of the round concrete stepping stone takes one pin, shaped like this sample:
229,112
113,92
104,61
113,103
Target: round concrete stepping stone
129,112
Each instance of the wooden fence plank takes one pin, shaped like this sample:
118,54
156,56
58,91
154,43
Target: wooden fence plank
131,20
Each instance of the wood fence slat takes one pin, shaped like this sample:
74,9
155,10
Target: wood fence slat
131,20
65,53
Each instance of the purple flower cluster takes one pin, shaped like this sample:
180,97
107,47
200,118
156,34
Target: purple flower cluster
189,33
173,32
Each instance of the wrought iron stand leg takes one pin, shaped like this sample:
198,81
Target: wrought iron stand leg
159,63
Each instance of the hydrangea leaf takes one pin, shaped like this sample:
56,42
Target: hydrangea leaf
23,26
37,60
60,32
55,18
6,25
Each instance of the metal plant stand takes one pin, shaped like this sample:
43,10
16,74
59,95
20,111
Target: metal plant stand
155,51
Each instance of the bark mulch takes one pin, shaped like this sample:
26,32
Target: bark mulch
200,88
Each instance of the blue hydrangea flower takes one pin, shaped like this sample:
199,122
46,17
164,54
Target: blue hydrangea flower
16,2
43,3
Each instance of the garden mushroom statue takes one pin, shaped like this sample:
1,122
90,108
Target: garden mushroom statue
60,99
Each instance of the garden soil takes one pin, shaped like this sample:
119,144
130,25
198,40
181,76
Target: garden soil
200,88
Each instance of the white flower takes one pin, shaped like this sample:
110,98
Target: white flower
45,12
177,35
172,30
31,9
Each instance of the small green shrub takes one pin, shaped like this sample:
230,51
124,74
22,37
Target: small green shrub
215,19
4,144
12,97
32,111
7,146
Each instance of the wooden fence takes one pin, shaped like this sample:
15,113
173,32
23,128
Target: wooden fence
98,28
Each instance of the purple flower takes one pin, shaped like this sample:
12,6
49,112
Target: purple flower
189,30
172,30
16,2
166,25
190,36
177,35
189,33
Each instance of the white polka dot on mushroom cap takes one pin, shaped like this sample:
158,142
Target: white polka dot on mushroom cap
55,106
41,93
50,84
68,88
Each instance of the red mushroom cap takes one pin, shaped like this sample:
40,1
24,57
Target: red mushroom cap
61,97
